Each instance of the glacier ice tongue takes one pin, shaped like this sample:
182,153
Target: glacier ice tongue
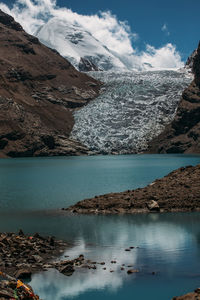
133,108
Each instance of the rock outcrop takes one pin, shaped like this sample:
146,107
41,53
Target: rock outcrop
21,255
183,134
191,296
10,289
39,90
190,61
178,191
85,65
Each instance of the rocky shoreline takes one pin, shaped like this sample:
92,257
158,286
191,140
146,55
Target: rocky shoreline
190,296
178,191
23,255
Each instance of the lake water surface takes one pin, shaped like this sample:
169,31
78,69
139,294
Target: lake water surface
33,189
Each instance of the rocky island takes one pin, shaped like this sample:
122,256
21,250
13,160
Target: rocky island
39,89
178,191
190,296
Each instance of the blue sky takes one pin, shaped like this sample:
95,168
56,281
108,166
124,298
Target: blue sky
146,17
156,22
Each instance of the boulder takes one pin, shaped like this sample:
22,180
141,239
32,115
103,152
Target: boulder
153,205
67,270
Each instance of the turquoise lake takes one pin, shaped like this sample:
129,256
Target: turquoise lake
34,189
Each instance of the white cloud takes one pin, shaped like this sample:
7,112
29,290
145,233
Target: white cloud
163,58
164,28
104,26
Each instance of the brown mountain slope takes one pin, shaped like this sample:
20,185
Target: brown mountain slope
183,134
38,91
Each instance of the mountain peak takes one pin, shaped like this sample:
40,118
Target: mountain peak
78,45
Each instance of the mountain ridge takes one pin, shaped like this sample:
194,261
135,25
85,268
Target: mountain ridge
39,89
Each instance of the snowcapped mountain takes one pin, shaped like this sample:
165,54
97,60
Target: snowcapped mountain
76,44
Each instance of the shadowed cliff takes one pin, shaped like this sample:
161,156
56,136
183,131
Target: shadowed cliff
183,134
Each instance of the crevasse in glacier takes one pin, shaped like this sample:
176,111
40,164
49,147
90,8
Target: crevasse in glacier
132,108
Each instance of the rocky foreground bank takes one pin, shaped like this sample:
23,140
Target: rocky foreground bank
22,255
11,289
178,191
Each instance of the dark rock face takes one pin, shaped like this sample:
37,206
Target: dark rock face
190,61
85,65
178,191
196,67
38,91
183,134
9,21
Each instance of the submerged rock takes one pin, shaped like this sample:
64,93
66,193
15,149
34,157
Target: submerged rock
67,270
132,271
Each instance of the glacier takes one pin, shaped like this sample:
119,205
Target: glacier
133,108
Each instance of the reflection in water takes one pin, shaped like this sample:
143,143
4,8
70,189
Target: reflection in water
75,285
166,245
